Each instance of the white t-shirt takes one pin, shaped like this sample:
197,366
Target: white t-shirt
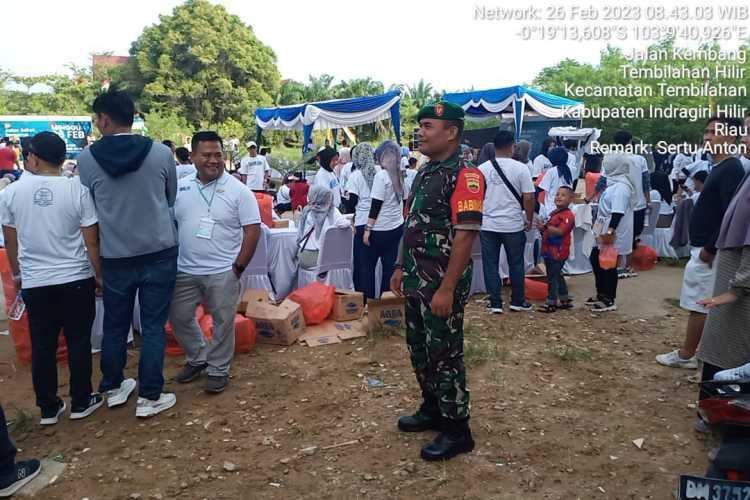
48,214
344,174
255,168
551,182
410,175
540,164
357,185
665,208
283,195
391,214
745,162
232,207
616,199
333,220
573,165
185,170
329,180
502,213
641,166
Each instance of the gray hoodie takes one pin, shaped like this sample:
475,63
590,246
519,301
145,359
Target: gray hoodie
133,183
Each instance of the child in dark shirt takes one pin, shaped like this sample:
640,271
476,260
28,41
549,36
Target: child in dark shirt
556,249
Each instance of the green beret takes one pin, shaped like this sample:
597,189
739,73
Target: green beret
441,111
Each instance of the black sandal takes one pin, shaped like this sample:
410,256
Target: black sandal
548,308
566,304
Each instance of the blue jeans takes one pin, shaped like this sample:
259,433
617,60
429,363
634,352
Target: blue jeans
383,247
556,286
7,450
154,281
514,244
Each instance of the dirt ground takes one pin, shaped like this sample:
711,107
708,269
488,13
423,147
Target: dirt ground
557,401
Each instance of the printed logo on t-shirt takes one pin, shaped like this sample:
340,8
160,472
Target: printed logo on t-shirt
44,197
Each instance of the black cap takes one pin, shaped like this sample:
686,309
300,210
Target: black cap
49,147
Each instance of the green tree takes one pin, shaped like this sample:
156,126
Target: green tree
421,93
204,64
319,88
358,87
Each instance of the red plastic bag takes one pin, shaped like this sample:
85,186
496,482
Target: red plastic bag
207,327
265,205
607,256
644,258
535,290
316,300
173,346
19,329
244,334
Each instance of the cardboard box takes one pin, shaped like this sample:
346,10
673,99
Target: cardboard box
282,324
388,312
349,305
331,332
281,224
251,296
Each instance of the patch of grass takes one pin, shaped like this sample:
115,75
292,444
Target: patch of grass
383,332
673,302
570,354
479,350
668,261
22,423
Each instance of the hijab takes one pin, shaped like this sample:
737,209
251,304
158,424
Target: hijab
363,159
559,158
345,156
389,158
325,157
521,151
319,206
617,169
735,228
487,153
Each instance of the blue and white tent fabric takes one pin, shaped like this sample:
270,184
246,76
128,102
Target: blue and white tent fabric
518,99
336,113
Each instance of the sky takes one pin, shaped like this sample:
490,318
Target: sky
394,41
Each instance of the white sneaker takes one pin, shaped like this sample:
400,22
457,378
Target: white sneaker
733,373
52,417
674,360
117,397
148,408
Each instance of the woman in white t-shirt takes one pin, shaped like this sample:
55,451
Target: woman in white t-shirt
385,223
359,187
541,163
325,176
661,191
559,175
284,196
318,215
613,226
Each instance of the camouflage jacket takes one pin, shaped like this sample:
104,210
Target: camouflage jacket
445,196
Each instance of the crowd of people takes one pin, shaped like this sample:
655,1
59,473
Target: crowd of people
170,228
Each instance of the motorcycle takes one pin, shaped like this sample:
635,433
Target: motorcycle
725,407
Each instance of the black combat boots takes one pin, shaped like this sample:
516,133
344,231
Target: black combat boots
425,419
455,438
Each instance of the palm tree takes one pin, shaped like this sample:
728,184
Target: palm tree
421,93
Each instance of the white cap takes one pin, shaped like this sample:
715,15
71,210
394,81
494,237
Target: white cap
251,144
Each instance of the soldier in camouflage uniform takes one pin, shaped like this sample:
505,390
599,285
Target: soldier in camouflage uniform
434,272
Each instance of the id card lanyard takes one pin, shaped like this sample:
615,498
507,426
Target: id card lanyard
206,225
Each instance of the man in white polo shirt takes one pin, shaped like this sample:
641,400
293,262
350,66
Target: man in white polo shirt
254,168
218,223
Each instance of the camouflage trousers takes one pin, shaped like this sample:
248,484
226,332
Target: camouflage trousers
436,347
